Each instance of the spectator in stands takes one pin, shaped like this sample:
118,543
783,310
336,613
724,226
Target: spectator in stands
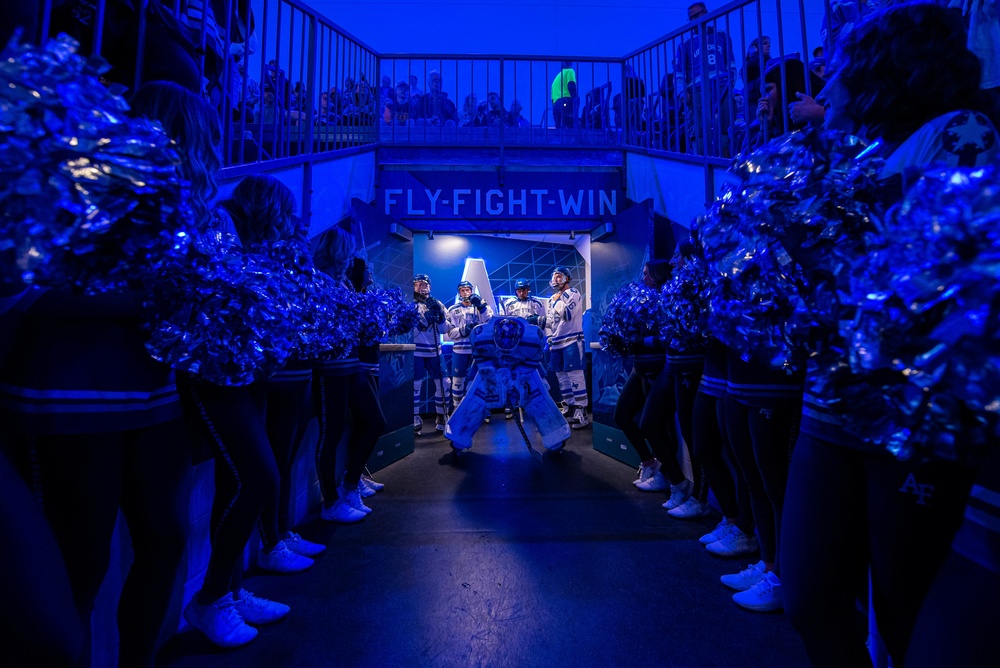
672,125
271,113
721,69
495,115
401,110
275,79
248,106
468,117
362,111
327,114
435,108
771,120
514,117
758,52
564,96
635,99
385,91
299,106
347,94
415,92
482,111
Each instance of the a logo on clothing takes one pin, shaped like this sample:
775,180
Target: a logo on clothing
922,491
767,413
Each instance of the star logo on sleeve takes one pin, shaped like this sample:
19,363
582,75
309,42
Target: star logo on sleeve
967,135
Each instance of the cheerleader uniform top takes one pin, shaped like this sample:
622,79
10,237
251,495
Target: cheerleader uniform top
957,139
692,361
715,374
78,365
649,360
761,385
295,371
368,359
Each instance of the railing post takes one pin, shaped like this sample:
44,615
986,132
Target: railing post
311,86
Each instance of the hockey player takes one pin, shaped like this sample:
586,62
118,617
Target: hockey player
469,310
524,306
564,326
427,357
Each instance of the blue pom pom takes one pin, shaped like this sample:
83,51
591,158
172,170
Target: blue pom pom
632,315
90,197
779,242
923,357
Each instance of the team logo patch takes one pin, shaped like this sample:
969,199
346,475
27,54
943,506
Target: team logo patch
966,136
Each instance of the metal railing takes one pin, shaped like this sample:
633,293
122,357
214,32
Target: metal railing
291,85
497,100
673,108
259,62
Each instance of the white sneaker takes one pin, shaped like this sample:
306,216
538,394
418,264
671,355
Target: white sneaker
255,610
369,485
679,494
342,512
564,408
716,533
646,472
364,490
282,560
439,423
418,424
690,509
508,413
300,545
655,484
367,479
353,498
220,622
579,420
764,596
746,578
734,544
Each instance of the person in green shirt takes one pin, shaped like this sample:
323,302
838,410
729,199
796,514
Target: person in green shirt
564,96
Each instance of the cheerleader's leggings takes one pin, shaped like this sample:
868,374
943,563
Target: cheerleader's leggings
342,402
848,511
246,475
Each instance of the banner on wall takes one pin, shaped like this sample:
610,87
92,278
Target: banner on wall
474,201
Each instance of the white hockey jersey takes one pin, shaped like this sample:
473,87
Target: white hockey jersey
564,318
522,309
425,334
459,315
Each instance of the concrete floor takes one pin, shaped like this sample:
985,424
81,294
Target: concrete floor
495,559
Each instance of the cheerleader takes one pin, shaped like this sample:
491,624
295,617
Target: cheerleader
99,421
262,212
643,396
229,417
344,397
854,511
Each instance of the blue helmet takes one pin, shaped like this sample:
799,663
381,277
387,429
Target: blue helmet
465,284
522,283
421,277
